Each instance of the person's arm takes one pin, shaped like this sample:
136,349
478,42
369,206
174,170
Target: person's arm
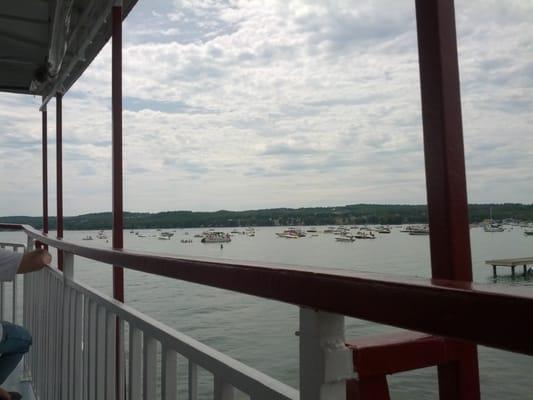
34,261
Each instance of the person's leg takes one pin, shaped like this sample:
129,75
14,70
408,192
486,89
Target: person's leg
15,343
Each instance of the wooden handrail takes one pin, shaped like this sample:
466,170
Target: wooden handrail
488,315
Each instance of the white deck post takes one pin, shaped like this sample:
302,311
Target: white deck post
325,361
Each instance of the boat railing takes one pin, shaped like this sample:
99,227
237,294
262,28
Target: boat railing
84,326
82,323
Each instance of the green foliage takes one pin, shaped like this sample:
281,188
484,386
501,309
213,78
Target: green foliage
346,215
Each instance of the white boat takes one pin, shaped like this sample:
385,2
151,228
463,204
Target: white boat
419,232
88,237
382,229
364,235
216,237
345,239
291,233
493,227
528,232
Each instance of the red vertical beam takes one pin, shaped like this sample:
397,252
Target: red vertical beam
45,169
59,174
445,170
118,209
116,94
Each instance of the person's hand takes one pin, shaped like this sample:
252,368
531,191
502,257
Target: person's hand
34,261
4,394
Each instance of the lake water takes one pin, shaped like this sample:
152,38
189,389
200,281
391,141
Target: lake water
260,333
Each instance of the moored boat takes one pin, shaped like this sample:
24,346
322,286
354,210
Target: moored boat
345,239
216,237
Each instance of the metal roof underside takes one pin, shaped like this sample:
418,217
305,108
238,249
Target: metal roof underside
45,45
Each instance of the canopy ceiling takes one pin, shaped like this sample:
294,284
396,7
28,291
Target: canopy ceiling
45,45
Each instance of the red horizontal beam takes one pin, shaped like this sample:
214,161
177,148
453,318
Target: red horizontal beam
403,351
479,313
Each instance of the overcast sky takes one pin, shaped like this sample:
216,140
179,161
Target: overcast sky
256,104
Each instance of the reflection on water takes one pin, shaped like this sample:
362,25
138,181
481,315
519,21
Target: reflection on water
260,333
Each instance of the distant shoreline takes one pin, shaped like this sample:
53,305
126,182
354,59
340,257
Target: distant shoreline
356,214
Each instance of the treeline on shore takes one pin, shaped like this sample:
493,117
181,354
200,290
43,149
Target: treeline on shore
343,215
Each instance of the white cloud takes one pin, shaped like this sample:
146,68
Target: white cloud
248,104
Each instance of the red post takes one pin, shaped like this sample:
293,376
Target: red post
118,209
116,94
59,174
445,170
45,169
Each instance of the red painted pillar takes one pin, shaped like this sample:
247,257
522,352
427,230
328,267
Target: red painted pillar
445,170
45,168
118,209
116,95
59,174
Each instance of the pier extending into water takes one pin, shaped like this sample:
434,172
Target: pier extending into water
512,263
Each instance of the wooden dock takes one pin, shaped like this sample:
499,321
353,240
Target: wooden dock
512,263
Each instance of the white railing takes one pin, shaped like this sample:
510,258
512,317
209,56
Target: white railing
10,288
74,350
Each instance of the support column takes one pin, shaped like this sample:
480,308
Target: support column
118,208
116,94
326,363
59,174
45,168
445,170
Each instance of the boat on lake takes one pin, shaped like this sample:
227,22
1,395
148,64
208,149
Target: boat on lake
493,227
291,233
216,237
364,235
345,239
419,231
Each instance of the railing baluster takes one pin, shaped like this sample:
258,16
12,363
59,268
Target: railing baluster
43,334
100,352
85,345
168,374
91,384
149,367
47,281
135,382
222,390
111,382
193,381
72,342
2,300
57,290
65,345
14,305
78,335
68,274
121,378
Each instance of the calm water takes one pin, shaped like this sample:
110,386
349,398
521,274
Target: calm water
260,333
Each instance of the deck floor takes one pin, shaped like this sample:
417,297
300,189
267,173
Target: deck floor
14,384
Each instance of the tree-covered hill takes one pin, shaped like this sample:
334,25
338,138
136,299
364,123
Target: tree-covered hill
349,214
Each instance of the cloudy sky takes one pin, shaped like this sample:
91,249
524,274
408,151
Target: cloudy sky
252,104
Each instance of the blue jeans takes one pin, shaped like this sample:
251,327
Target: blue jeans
15,343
